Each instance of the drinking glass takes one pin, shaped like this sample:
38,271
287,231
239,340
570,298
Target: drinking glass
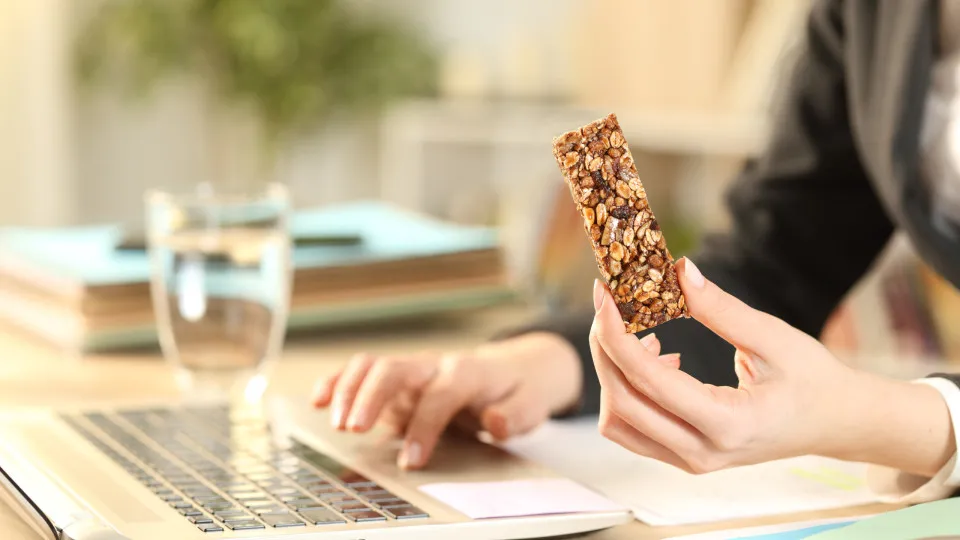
220,282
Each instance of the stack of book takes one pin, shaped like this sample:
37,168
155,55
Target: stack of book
79,288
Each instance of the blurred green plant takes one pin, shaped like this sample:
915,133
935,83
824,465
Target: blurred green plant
294,61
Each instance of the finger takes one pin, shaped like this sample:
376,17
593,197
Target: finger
449,392
652,344
613,428
670,388
384,380
730,318
395,420
396,414
520,412
323,390
346,388
670,360
638,410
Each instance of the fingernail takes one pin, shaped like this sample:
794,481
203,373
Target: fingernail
320,396
336,417
693,274
648,340
410,456
598,295
356,421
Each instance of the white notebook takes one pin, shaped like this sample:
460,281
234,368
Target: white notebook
660,494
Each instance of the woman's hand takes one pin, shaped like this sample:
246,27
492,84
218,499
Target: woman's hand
794,396
505,388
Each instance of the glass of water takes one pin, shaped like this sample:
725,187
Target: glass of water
221,276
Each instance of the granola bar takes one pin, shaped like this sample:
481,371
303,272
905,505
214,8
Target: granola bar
629,246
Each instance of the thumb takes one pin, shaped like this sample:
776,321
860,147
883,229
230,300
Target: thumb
741,325
520,412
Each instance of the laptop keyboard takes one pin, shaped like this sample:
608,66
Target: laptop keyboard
221,472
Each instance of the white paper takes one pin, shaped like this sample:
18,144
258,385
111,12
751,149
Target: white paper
533,497
660,494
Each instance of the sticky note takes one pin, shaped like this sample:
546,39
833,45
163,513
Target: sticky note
938,519
516,498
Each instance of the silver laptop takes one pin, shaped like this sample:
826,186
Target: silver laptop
205,471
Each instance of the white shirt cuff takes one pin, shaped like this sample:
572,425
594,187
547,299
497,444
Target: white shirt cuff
896,486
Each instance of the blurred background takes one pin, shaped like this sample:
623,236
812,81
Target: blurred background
445,108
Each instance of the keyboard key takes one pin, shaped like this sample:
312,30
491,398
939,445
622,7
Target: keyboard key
281,520
335,496
189,512
230,486
181,479
224,514
354,479
199,520
181,504
269,510
248,495
210,527
244,525
367,488
405,512
257,503
237,519
346,506
321,516
281,491
364,516
217,506
204,499
198,491
171,498
321,488
376,495
301,504
387,503
304,475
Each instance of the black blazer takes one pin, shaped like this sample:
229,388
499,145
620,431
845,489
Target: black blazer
813,212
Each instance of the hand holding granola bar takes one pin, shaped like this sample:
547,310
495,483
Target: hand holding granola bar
630,248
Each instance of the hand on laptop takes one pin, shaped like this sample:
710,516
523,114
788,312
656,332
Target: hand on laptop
505,388
794,398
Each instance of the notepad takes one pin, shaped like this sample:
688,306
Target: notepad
516,498
660,494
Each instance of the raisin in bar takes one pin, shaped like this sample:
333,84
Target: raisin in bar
629,246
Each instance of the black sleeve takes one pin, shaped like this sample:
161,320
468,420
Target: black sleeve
806,223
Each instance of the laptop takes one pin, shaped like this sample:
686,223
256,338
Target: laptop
205,470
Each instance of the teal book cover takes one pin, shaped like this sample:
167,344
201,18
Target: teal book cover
88,255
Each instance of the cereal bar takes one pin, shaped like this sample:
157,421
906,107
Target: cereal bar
629,246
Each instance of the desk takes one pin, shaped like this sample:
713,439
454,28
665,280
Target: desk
33,375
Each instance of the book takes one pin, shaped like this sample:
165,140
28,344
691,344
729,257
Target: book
73,286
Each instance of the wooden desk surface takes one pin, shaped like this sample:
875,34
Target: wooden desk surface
34,375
